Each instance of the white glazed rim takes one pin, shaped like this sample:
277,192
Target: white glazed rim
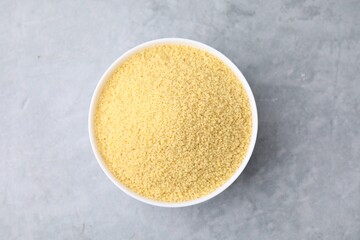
175,41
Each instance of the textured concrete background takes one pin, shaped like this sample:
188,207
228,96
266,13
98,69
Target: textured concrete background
302,59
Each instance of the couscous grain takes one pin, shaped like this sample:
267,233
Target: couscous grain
173,123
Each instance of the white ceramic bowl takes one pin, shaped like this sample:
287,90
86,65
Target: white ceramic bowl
177,41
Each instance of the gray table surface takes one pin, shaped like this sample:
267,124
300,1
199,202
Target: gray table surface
301,58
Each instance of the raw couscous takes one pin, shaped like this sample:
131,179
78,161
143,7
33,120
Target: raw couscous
173,123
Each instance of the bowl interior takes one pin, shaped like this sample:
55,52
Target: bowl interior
176,41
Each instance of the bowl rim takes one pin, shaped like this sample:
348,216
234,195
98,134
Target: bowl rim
174,41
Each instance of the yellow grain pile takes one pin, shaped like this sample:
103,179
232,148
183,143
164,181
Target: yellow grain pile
173,123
